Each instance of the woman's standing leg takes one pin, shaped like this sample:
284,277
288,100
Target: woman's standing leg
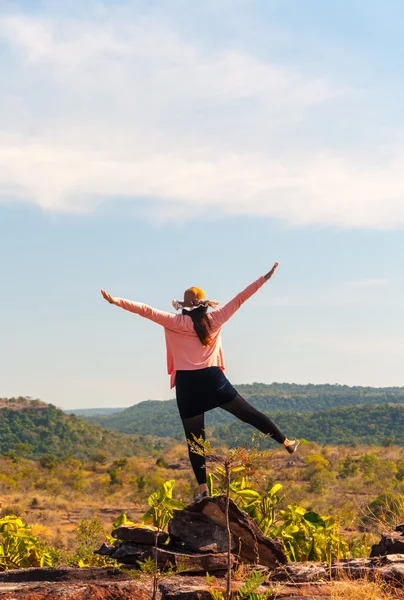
194,427
241,409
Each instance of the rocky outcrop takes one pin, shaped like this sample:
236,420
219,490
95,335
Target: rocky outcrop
71,584
298,581
198,540
168,557
248,539
391,543
385,568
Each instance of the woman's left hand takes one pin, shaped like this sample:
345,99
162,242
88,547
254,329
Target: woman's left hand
271,272
107,297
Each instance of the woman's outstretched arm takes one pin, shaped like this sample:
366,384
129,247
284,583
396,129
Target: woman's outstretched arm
223,314
158,316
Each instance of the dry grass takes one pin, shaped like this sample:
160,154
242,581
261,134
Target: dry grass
362,589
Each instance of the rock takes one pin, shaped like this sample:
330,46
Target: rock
198,532
393,574
387,568
71,584
300,572
113,584
197,588
129,553
251,544
191,563
191,588
61,574
354,568
182,464
390,559
140,535
391,543
105,550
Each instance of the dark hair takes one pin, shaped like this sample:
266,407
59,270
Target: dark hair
201,323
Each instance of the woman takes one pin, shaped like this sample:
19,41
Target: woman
196,365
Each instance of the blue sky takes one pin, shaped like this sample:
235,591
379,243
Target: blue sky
149,146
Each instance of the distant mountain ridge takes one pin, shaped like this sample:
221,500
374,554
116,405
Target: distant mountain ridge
33,428
88,412
297,408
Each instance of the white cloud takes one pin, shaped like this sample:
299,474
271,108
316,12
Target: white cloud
120,107
377,281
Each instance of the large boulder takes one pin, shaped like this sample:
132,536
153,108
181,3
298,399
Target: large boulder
250,543
391,543
198,532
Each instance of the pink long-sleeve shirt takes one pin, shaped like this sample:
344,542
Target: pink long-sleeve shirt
184,349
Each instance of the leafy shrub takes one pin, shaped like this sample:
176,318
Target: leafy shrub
308,536
90,534
19,548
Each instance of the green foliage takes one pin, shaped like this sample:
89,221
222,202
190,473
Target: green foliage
100,457
122,520
308,536
33,428
349,468
89,535
161,506
48,461
305,534
247,591
148,567
19,548
261,506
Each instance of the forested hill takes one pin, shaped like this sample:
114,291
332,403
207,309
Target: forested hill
33,428
285,397
323,413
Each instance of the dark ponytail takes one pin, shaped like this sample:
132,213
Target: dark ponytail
201,323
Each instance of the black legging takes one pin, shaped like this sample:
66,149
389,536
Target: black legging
195,426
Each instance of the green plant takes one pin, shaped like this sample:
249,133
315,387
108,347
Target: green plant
19,548
122,520
161,506
247,591
89,534
308,536
260,505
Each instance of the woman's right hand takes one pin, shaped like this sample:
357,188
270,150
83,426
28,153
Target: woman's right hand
271,272
107,297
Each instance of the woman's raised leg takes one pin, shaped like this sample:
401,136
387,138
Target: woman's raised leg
241,409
